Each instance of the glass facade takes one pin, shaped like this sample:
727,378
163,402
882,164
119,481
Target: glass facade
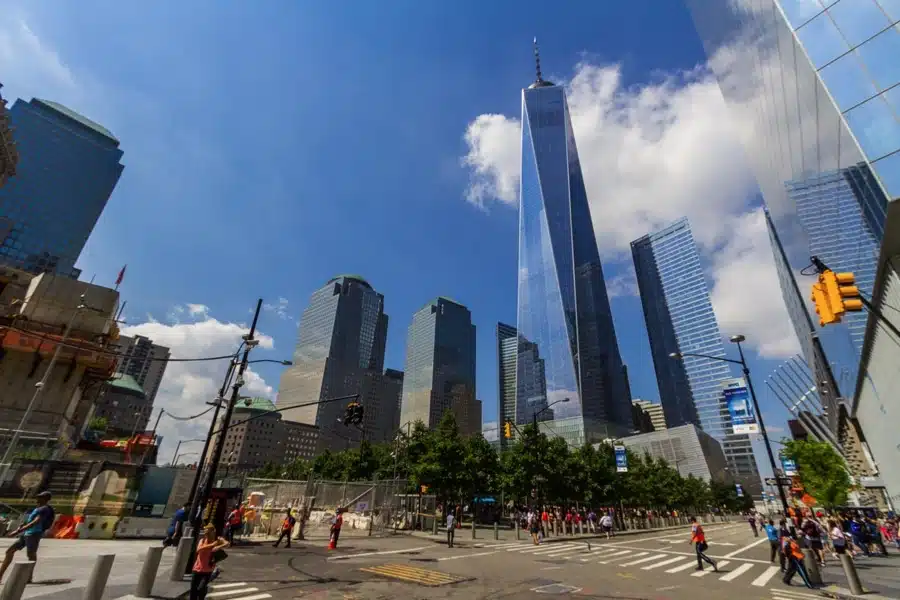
507,338
340,351
817,79
563,306
680,319
68,168
440,367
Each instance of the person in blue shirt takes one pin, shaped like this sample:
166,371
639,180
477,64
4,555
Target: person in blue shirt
37,522
176,527
774,535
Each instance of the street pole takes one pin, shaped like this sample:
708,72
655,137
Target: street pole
39,388
153,437
762,425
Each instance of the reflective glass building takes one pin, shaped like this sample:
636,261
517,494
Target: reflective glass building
680,319
68,168
816,82
340,351
563,306
440,367
507,338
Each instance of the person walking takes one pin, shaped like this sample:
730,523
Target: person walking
450,528
336,523
774,543
698,538
287,525
606,525
837,537
751,518
30,533
176,527
794,555
205,566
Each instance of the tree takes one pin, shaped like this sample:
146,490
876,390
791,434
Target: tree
440,466
821,471
480,467
98,424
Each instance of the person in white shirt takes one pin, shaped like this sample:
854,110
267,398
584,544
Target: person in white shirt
606,525
451,528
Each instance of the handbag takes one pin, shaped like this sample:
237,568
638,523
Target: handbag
219,555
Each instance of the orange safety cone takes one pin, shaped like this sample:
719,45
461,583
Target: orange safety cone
331,544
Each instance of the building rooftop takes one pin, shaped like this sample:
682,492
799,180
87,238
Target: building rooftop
79,118
357,278
261,404
120,382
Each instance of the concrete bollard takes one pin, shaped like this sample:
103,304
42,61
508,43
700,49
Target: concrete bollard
148,572
97,583
850,571
812,566
496,531
19,577
473,527
434,526
182,556
581,527
517,528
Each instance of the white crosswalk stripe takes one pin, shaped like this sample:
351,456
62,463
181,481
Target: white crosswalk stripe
644,560
236,591
763,579
663,563
708,569
683,567
741,569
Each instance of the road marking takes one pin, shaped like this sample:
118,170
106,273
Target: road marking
663,563
221,586
765,577
637,554
468,555
747,547
231,592
737,572
418,575
380,552
707,571
253,597
790,594
683,567
643,560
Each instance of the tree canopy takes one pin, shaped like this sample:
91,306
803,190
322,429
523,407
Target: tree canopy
822,471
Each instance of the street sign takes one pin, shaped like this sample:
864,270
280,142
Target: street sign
778,481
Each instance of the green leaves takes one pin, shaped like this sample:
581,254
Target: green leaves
821,471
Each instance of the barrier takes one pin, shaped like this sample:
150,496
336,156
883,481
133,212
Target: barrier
148,572
19,577
141,528
99,528
182,556
99,576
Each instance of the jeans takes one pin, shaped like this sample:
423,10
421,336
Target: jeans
285,535
199,585
775,550
700,547
450,532
795,565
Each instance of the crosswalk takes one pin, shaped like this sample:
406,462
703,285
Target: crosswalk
236,591
755,573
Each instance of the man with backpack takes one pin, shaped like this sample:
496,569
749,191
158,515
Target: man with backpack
38,521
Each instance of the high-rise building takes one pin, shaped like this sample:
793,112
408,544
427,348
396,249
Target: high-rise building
340,351
507,339
680,320
381,399
654,412
817,84
9,157
143,360
563,305
440,367
68,168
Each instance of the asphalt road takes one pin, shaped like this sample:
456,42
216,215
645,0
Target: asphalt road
660,566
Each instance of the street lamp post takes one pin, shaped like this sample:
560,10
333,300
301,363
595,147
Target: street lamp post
738,340
535,414
178,447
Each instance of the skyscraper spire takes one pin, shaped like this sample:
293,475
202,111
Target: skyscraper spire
537,62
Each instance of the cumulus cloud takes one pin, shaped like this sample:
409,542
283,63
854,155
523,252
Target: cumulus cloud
187,386
280,309
650,155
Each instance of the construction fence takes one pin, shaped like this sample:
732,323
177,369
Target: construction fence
371,508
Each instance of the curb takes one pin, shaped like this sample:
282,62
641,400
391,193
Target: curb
838,593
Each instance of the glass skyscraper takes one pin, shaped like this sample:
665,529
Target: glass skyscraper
563,306
440,367
340,351
680,319
507,339
68,168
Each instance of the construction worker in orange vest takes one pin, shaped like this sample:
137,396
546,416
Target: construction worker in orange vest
794,555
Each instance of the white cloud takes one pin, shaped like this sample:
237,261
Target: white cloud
187,386
650,155
27,63
280,309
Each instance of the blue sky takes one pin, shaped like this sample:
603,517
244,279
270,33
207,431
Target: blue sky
269,147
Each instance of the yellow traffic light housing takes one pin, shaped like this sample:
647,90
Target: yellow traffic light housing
823,308
829,283
849,292
507,430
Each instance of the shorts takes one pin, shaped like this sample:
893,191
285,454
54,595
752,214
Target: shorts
29,543
815,544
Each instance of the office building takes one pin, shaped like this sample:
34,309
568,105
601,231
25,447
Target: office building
817,84
143,360
381,399
9,156
440,367
680,320
687,448
563,305
340,351
654,412
124,405
507,339
68,168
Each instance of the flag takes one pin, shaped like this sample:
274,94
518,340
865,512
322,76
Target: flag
121,276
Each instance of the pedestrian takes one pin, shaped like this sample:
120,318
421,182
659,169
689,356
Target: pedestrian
205,564
234,524
450,528
795,565
36,523
336,523
176,527
752,520
287,525
812,532
534,527
837,537
774,542
698,538
606,525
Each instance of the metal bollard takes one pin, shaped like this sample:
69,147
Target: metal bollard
148,572
516,521
18,579
850,571
182,556
434,526
812,566
473,527
97,583
496,531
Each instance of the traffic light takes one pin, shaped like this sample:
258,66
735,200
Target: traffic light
507,430
823,308
843,295
353,414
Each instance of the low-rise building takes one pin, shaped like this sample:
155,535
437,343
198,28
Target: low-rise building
687,448
648,412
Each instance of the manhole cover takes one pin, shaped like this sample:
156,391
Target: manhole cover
556,588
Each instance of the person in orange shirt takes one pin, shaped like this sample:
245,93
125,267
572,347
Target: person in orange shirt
287,525
794,555
698,538
204,566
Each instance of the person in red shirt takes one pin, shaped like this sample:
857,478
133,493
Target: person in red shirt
204,566
698,538
287,525
336,525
